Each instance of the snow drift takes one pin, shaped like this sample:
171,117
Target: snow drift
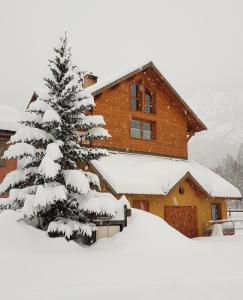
149,260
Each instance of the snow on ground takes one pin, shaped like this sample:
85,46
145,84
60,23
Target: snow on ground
148,260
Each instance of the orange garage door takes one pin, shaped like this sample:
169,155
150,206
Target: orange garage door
182,218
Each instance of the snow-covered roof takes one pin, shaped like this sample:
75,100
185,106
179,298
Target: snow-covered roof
126,73
9,118
115,77
129,173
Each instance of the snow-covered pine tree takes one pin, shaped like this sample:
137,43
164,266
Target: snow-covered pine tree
54,135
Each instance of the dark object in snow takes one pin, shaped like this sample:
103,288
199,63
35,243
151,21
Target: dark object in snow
87,234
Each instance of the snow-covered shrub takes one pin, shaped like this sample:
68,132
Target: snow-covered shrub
53,137
70,228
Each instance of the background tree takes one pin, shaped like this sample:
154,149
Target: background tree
231,169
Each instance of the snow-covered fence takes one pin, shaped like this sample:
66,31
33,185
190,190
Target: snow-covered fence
229,226
237,216
230,211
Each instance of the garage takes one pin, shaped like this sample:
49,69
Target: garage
183,219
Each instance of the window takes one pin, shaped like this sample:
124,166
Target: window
141,129
147,131
181,190
149,105
135,129
142,98
2,149
135,96
141,204
216,212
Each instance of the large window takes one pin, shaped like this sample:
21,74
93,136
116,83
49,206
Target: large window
141,129
135,96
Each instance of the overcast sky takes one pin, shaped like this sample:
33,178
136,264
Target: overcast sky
197,45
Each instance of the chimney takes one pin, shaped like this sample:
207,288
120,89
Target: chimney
89,79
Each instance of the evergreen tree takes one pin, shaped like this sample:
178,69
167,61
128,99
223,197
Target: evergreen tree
54,135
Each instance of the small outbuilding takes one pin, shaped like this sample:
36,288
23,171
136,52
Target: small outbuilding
184,193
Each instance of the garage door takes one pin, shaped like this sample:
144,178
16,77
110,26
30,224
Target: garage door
182,218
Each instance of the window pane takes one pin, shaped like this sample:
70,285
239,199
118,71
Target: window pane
135,124
135,103
134,90
135,129
147,132
148,101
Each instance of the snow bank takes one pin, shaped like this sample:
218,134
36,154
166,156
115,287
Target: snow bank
217,230
148,174
145,232
148,260
18,238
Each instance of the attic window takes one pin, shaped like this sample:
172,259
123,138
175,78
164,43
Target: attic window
181,190
135,96
149,101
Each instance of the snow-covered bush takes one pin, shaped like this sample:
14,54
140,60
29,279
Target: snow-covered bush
54,136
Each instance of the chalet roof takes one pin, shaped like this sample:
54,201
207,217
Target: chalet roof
9,118
102,85
128,173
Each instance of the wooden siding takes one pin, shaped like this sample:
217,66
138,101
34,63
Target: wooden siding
170,129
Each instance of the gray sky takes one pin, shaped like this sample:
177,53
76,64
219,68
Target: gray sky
197,45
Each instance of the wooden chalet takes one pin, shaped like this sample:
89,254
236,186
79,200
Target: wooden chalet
151,125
